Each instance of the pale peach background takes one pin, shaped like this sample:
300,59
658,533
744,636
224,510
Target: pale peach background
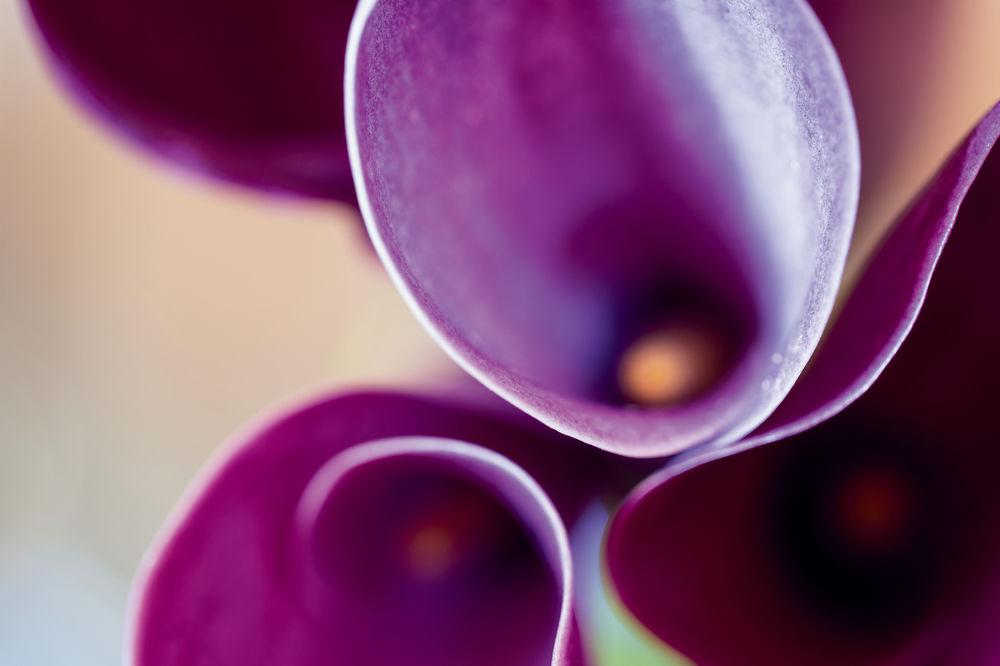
145,315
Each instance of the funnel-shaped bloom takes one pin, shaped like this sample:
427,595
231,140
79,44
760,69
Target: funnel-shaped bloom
627,218
371,529
249,91
874,538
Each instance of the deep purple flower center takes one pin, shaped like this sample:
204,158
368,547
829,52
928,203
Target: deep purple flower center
867,530
672,346
872,508
415,557
450,529
679,311
419,527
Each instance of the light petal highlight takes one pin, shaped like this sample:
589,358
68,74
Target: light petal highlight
548,181
890,294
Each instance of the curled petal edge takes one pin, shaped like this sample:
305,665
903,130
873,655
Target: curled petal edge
840,373
525,496
926,226
531,502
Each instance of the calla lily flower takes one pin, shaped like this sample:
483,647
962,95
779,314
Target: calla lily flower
249,92
371,528
873,538
629,219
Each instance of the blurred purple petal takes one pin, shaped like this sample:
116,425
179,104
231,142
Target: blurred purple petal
360,530
873,538
550,182
858,542
250,92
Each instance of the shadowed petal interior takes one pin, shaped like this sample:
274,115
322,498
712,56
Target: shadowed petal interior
859,542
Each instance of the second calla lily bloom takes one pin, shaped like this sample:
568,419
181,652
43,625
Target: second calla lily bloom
872,539
627,218
375,529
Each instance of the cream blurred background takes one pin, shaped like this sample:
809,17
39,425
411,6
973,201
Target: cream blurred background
145,315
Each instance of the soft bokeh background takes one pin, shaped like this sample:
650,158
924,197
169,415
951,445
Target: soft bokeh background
145,315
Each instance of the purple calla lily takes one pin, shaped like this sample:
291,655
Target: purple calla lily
371,529
627,218
250,92
871,539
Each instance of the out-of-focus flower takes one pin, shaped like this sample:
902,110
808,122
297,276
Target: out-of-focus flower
627,218
874,538
248,91
373,528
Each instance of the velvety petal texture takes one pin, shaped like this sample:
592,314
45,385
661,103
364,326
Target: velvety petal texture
369,529
250,92
556,183
872,538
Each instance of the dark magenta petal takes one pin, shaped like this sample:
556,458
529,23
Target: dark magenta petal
250,92
885,303
359,530
979,645
859,542
874,537
551,181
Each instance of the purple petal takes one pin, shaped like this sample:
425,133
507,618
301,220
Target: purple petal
886,301
979,644
859,542
250,92
872,538
358,529
548,181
